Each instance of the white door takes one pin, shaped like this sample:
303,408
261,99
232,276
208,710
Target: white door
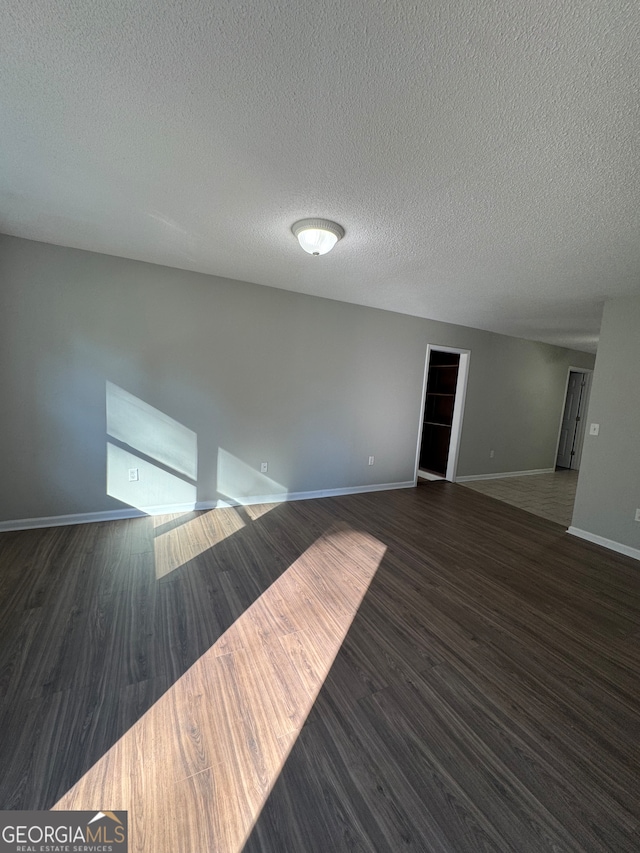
571,420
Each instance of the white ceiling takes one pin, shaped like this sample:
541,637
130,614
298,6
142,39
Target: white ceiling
482,156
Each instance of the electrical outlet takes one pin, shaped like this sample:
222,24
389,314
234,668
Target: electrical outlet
492,453
264,467
594,429
134,475
638,515
372,459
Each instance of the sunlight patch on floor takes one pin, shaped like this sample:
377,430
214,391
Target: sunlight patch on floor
179,540
195,771
256,511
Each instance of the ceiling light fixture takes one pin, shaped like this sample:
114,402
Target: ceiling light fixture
317,236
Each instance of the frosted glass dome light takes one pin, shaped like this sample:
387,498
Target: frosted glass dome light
317,236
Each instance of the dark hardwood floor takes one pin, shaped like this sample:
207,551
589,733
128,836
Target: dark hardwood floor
484,698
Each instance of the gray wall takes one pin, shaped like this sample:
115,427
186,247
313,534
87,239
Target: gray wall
246,373
609,482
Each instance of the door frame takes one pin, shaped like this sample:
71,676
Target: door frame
588,374
458,409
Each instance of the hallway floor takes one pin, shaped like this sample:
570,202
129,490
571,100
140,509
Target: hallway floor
550,496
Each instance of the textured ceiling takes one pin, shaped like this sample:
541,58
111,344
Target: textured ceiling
482,156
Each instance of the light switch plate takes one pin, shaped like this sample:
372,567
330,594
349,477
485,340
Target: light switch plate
594,429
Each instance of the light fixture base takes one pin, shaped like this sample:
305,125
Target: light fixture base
317,236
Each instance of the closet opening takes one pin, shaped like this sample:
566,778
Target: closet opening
441,423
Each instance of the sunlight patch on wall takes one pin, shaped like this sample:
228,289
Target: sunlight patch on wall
152,432
155,488
195,771
242,483
179,540
157,467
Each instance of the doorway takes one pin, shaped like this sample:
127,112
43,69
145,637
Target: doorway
572,425
445,384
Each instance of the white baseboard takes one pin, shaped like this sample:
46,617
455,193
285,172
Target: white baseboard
627,550
131,512
356,490
63,520
304,496
467,478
